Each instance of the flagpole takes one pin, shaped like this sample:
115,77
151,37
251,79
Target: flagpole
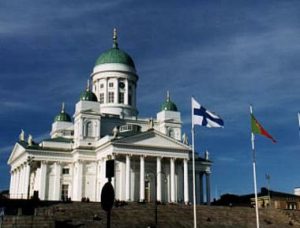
194,185
254,174
299,123
202,117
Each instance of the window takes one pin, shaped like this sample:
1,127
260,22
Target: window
111,84
101,100
89,129
129,99
65,171
101,86
121,85
171,133
121,98
111,97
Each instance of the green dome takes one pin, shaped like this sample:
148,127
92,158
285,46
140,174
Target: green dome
88,96
63,116
115,55
168,105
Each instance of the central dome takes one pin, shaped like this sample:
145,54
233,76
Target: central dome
115,55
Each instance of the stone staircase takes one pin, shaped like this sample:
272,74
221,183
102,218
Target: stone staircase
142,215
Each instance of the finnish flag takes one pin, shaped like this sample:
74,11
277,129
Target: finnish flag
203,117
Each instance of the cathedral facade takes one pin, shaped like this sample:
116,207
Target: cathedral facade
152,156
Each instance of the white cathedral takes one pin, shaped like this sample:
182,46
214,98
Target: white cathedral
105,125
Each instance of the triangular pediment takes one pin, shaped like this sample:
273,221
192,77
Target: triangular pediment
17,151
152,139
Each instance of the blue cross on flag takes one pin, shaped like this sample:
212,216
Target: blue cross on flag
203,117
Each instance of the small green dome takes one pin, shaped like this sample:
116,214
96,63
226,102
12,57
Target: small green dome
63,116
88,95
115,55
168,105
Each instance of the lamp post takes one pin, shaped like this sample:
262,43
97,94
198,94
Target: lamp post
268,177
155,194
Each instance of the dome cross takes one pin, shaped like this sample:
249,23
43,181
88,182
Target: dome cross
115,39
63,107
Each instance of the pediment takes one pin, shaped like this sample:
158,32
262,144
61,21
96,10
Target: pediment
17,151
152,139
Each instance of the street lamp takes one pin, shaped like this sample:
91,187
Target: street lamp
155,193
268,177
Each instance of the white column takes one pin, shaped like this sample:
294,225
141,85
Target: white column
57,177
116,91
197,180
208,188
142,178
201,188
113,179
158,181
43,178
106,92
127,179
133,94
21,183
126,92
26,181
120,180
79,180
103,170
97,189
172,175
185,181
17,186
11,185
71,186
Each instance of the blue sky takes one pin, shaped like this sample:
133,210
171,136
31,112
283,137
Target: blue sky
227,54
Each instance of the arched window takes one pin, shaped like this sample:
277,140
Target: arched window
89,129
171,132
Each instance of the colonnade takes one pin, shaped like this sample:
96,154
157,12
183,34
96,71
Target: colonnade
19,180
201,178
158,178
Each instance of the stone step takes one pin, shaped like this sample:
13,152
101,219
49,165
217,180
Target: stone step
142,215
